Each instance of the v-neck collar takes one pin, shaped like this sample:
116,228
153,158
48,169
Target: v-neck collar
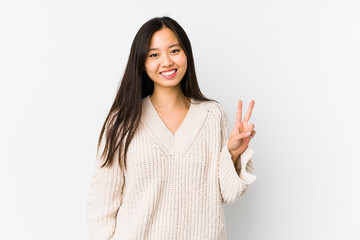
184,135
183,122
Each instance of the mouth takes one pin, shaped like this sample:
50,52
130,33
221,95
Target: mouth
169,73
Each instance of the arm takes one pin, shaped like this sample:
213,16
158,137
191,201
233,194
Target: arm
233,181
104,198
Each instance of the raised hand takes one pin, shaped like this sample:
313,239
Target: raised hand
242,132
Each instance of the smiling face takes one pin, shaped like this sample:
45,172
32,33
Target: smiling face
166,61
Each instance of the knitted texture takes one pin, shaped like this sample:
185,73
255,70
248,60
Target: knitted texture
174,184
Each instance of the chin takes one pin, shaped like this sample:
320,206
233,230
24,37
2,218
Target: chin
167,83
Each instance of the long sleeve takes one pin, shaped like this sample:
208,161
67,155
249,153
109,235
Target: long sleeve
233,181
104,198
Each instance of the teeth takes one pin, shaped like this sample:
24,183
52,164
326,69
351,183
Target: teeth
168,73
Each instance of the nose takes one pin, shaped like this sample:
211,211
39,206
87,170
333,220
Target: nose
167,61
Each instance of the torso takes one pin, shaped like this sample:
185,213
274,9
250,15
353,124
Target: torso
174,118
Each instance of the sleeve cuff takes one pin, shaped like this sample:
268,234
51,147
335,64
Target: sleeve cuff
245,173
246,166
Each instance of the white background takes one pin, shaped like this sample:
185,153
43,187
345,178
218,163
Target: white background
60,66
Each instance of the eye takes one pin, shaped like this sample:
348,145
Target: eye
153,55
175,50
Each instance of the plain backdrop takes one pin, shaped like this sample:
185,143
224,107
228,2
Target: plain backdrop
62,61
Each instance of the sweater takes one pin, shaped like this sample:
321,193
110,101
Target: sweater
174,184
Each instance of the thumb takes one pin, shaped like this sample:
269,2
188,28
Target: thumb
243,135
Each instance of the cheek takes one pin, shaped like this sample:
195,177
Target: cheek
183,61
150,67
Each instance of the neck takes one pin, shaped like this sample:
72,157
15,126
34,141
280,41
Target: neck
169,99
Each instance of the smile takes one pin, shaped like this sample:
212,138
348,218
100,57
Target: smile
169,74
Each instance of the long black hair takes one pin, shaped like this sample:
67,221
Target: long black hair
124,115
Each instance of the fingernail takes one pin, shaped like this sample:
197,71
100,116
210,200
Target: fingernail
248,133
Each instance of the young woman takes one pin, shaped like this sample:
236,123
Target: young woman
167,163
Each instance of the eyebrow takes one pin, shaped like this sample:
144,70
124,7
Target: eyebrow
173,45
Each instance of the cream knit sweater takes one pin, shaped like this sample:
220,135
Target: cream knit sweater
174,185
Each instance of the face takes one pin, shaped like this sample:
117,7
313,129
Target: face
166,61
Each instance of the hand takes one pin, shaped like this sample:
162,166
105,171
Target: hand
239,138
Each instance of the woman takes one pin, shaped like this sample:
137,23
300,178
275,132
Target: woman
167,164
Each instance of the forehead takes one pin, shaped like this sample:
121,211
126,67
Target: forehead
163,38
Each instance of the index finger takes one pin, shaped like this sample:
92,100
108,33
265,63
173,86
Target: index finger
248,112
238,112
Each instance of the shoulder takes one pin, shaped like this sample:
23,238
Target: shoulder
215,108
